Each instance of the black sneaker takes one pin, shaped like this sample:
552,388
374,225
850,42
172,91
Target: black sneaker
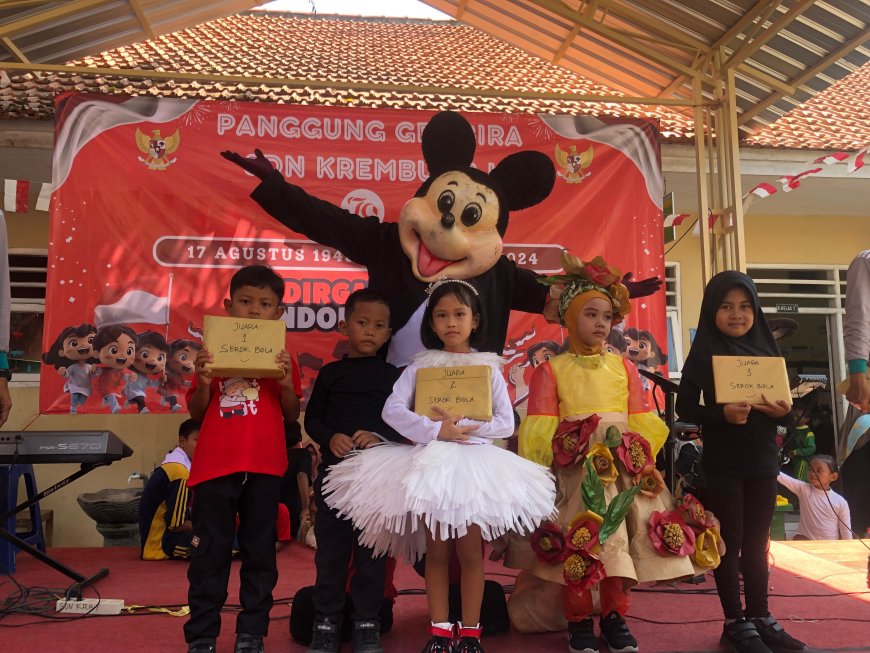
367,636
202,645
440,642
468,645
742,637
615,633
775,637
326,635
581,637
248,644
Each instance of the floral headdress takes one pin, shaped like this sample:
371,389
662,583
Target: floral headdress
440,282
582,276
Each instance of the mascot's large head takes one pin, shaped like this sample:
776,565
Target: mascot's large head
454,225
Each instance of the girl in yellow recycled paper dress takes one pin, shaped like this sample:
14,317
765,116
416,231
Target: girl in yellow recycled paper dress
587,419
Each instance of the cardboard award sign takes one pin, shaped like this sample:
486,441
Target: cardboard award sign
746,378
464,390
244,348
843,386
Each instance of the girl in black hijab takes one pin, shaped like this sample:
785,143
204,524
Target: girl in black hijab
740,460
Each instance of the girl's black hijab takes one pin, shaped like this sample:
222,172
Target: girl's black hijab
709,341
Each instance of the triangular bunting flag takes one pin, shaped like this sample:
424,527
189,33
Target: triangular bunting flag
834,158
858,162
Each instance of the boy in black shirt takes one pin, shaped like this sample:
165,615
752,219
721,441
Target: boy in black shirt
343,414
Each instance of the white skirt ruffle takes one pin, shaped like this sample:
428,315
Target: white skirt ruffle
388,491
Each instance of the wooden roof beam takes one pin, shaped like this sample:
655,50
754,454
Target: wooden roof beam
557,8
749,48
856,41
34,20
658,27
14,50
143,19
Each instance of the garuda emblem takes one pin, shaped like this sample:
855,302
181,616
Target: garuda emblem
157,149
572,164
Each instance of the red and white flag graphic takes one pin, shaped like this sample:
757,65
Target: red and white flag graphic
858,162
831,159
15,193
134,306
675,220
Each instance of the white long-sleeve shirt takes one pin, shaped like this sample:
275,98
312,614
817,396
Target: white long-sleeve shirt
818,519
399,408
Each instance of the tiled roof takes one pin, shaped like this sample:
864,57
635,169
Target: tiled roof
838,118
391,52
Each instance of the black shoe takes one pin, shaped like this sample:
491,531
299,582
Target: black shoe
326,635
616,635
367,636
742,637
581,637
468,645
440,642
248,644
776,639
202,645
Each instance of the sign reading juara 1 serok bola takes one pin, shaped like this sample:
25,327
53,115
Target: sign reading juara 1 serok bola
465,391
245,348
747,378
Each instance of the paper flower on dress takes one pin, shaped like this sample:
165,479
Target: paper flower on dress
650,481
634,452
581,570
709,548
572,440
583,532
602,460
670,535
693,513
548,542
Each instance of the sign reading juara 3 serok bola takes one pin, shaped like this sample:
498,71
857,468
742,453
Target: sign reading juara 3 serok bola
244,348
464,390
747,378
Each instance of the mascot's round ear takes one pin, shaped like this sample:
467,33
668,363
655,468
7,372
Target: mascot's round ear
448,143
526,178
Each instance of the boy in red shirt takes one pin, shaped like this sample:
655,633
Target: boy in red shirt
240,459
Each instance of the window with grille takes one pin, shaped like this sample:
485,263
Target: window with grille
27,280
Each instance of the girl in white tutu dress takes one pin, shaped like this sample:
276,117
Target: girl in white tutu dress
453,488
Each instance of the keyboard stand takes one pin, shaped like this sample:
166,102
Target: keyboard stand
75,590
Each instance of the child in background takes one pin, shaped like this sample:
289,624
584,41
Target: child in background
803,444
239,463
343,414
824,513
740,459
454,482
165,528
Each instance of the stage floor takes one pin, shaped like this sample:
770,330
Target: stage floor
818,592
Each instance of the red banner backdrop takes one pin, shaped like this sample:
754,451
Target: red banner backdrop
148,224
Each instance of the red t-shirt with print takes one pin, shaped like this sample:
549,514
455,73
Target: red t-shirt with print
243,429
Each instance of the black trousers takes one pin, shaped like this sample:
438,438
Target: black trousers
745,510
254,497
337,541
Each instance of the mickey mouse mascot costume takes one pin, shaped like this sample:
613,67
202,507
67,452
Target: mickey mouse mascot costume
453,227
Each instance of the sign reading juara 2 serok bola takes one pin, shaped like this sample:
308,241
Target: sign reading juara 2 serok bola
244,348
746,378
464,390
